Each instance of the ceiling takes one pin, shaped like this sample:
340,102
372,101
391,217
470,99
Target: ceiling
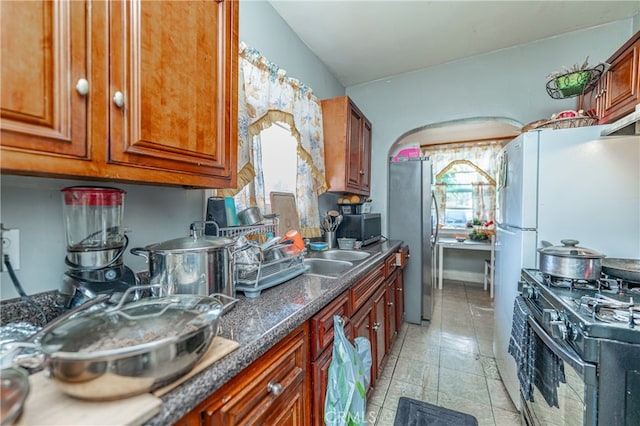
362,41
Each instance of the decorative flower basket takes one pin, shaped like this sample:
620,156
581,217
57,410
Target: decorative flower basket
566,123
574,82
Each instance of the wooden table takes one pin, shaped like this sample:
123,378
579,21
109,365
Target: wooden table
452,243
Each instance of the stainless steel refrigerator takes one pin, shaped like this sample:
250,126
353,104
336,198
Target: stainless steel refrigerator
410,220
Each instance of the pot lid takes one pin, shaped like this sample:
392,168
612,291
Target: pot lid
133,328
193,243
569,248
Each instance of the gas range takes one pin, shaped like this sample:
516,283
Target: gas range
579,311
592,330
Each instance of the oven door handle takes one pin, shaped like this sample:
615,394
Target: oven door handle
585,369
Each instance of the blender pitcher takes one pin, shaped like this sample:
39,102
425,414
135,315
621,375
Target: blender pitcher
93,224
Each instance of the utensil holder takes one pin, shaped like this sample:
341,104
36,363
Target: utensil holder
330,239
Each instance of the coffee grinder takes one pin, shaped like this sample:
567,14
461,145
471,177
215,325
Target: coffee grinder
95,245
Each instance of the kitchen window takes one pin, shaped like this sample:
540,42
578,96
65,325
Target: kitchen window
464,182
279,160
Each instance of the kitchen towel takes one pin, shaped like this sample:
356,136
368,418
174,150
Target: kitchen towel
520,346
537,364
548,372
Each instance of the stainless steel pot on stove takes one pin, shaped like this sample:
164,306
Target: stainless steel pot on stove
198,264
570,261
130,349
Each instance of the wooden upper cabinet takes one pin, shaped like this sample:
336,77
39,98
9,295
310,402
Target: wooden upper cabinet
173,68
347,146
618,91
161,103
621,83
43,57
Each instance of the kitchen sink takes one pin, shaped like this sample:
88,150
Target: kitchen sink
327,267
347,255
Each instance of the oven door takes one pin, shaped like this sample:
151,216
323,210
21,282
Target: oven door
577,398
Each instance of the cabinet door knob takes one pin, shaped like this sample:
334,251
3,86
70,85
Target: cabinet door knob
376,326
118,99
399,288
82,87
390,303
361,172
274,388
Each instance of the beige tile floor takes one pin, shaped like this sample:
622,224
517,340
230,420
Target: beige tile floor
448,362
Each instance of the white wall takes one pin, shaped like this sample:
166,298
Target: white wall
263,29
152,213
507,83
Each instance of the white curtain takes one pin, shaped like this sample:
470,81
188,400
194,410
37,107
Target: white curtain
479,156
440,193
266,96
483,197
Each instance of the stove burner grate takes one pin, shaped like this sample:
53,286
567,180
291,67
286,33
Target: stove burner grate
610,310
560,282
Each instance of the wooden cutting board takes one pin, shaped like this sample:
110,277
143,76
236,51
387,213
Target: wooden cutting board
219,348
284,205
48,405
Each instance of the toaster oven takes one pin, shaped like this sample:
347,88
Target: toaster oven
364,227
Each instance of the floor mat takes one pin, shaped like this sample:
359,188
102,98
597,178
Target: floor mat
418,413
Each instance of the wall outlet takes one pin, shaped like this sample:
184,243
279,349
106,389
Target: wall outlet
11,247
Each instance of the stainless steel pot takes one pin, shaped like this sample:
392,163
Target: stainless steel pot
570,261
199,264
131,349
250,216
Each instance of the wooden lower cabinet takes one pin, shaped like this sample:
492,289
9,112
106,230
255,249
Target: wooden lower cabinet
322,335
399,295
379,330
320,379
273,390
321,324
288,384
391,316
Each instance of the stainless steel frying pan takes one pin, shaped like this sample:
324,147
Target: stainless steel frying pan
626,269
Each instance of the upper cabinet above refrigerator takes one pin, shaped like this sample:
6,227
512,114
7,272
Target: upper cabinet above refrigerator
618,91
347,146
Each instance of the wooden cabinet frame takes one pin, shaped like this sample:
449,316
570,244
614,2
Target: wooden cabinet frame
347,146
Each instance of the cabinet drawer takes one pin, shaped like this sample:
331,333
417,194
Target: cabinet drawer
256,394
402,256
390,264
322,323
363,289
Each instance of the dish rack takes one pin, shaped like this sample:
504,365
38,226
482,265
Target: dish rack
260,232
251,279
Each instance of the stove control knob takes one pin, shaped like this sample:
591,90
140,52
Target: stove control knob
572,331
559,330
111,274
549,316
527,291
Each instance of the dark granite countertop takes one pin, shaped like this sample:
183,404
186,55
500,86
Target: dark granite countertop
257,324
